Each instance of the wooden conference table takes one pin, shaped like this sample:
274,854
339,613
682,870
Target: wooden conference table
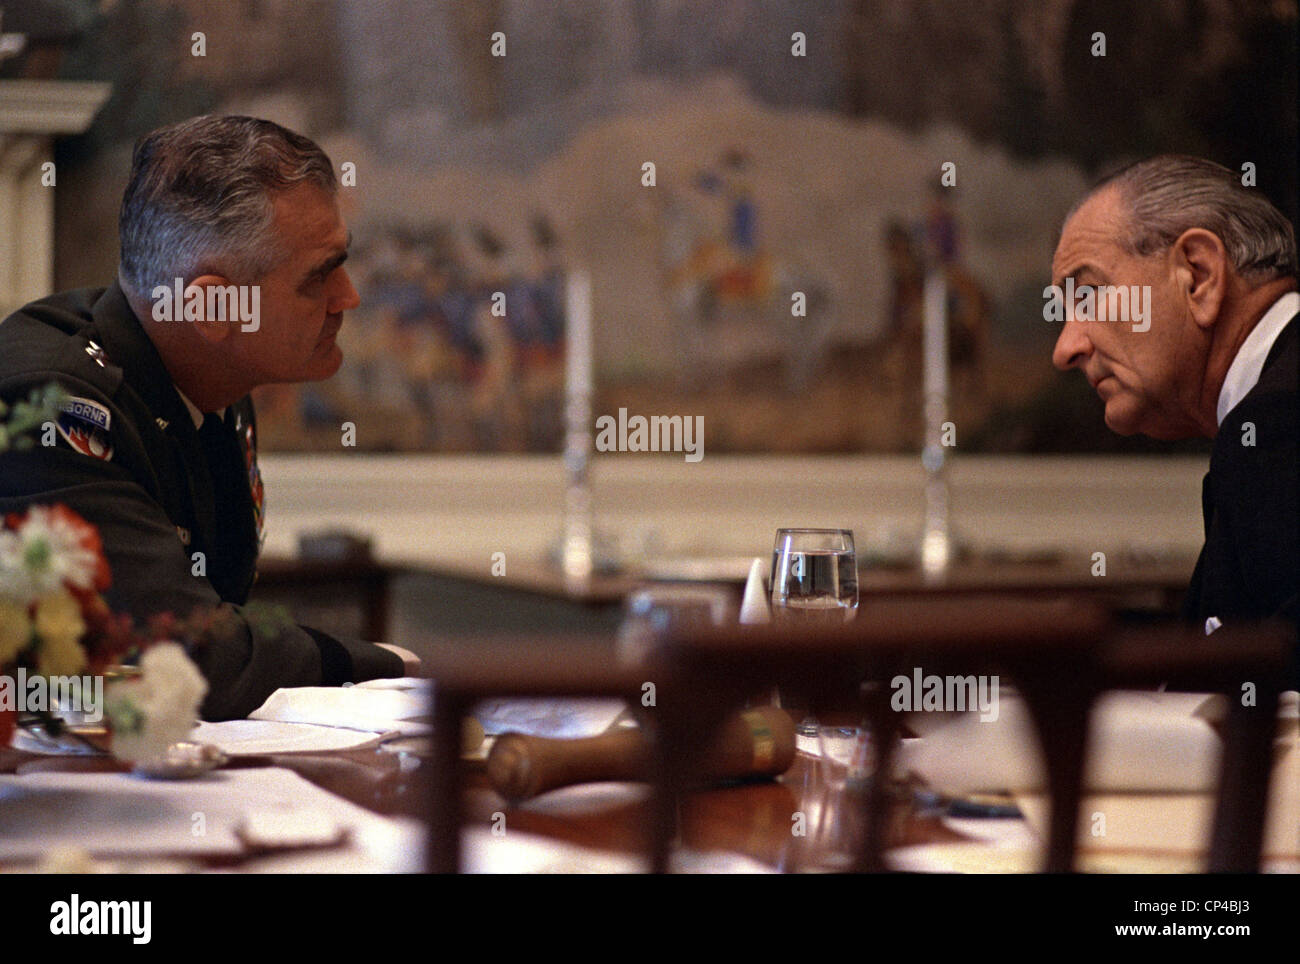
752,820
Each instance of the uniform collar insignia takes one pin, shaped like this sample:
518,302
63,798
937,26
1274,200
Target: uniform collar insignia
127,346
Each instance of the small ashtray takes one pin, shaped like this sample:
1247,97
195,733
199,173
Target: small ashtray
181,762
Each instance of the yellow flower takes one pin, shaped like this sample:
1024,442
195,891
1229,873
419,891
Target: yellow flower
15,631
59,626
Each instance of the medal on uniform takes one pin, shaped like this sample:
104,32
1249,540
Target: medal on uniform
249,444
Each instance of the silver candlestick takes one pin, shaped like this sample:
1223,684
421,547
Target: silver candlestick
576,556
936,539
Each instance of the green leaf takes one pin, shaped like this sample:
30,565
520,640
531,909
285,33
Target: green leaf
21,419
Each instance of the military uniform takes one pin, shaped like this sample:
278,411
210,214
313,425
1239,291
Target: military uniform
129,458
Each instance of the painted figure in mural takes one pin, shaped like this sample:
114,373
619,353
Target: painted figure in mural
461,345
729,294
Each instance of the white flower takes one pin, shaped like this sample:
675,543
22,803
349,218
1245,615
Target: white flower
45,551
158,708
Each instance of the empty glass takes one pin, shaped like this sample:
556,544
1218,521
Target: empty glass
650,613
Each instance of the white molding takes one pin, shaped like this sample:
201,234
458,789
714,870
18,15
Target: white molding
50,106
421,508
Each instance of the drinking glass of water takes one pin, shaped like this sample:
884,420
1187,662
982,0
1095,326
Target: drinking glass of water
814,582
814,576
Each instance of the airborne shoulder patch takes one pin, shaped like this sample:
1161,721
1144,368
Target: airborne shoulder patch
84,425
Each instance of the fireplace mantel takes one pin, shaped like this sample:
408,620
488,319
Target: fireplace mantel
32,114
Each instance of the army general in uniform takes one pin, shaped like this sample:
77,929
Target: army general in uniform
157,441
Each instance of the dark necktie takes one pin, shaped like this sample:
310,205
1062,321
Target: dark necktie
236,540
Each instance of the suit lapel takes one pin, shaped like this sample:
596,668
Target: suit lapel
1279,370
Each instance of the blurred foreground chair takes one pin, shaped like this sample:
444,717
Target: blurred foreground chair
532,668
1060,655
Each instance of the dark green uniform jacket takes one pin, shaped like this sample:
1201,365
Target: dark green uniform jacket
129,460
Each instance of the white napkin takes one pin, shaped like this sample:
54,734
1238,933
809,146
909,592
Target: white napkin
753,607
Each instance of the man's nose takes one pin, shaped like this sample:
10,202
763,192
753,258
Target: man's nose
1072,346
344,297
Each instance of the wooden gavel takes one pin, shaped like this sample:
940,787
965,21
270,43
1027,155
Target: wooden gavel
754,743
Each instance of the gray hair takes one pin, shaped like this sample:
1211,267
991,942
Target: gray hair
1172,193
200,194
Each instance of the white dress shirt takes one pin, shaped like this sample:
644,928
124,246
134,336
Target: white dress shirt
198,416
1243,373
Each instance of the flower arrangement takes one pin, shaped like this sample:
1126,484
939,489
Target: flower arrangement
53,621
55,625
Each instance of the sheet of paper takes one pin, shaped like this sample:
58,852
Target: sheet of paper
1177,824
372,709
410,684
259,737
975,857
1125,832
1139,742
121,815
559,718
521,853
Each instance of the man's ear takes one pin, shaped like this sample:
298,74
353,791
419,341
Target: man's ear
1203,270
211,329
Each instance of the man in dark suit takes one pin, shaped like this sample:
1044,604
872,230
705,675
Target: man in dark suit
231,276
1214,265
